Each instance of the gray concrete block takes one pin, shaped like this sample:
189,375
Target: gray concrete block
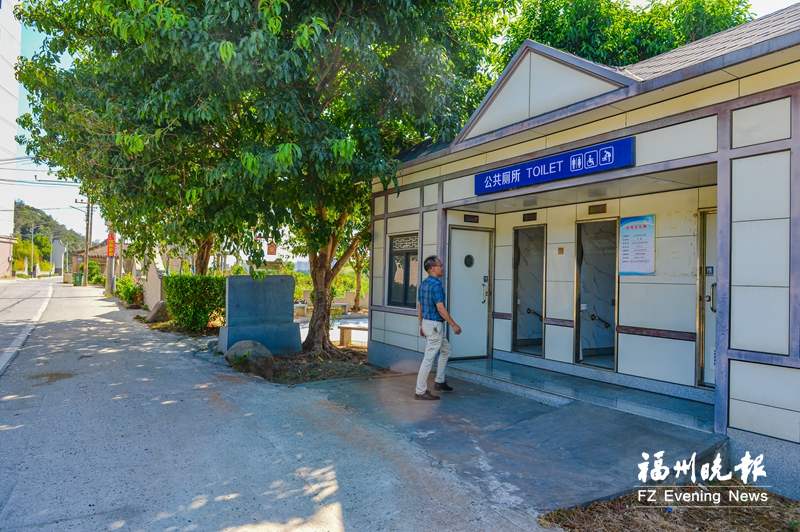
279,338
253,302
781,460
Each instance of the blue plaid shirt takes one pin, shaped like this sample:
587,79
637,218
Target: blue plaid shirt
429,293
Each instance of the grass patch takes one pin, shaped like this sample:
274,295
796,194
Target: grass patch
171,326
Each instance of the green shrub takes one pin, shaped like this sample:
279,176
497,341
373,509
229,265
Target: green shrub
237,269
193,300
129,290
94,269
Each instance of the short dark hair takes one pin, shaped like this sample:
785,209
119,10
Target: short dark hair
429,263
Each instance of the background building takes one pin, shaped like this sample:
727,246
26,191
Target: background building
10,38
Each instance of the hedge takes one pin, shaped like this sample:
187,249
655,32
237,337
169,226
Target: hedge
194,299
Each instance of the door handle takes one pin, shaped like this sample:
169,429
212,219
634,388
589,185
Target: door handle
712,298
483,285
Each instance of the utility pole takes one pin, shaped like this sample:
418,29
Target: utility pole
111,253
88,241
32,271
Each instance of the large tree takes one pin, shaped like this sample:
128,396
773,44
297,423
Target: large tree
238,119
612,32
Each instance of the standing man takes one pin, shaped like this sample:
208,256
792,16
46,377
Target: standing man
432,314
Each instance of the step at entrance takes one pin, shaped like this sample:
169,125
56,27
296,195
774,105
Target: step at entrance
558,389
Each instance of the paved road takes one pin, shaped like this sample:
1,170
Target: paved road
21,304
106,425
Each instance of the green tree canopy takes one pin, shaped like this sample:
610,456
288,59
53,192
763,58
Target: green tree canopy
228,119
612,32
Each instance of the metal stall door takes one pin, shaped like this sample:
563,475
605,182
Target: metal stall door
708,285
468,292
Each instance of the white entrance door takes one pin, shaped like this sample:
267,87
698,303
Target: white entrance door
709,298
469,292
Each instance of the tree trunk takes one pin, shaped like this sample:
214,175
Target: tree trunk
203,255
357,300
318,340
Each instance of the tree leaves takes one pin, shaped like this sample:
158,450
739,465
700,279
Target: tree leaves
232,118
613,33
226,51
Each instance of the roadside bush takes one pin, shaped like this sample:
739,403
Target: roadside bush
237,269
129,290
193,300
96,274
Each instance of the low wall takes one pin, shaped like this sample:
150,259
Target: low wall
6,250
395,358
152,285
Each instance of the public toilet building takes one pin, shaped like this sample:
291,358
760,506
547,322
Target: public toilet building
637,226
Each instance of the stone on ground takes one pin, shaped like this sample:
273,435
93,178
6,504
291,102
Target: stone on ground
251,357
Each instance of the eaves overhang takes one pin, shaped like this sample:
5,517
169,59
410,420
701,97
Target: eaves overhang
635,88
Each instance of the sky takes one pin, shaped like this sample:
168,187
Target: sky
58,200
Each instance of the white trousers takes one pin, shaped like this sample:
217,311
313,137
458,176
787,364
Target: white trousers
434,332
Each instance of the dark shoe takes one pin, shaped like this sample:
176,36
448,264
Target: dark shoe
427,396
442,387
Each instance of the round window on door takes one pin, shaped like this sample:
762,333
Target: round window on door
469,260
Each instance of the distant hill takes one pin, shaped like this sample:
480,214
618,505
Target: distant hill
25,215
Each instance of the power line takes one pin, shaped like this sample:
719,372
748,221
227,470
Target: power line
21,169
21,183
45,209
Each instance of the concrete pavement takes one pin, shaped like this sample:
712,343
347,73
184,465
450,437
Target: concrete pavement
22,303
106,425
520,452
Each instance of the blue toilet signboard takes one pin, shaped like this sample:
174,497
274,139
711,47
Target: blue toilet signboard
598,158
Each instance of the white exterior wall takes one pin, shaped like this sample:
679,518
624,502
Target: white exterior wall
760,243
10,38
397,329
674,287
765,399
378,262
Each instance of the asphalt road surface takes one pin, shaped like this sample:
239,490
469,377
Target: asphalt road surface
106,425
21,306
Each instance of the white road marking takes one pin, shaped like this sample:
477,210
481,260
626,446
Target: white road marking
11,350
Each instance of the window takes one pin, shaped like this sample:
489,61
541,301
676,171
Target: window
404,273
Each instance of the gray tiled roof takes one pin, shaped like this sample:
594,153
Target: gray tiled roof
762,29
